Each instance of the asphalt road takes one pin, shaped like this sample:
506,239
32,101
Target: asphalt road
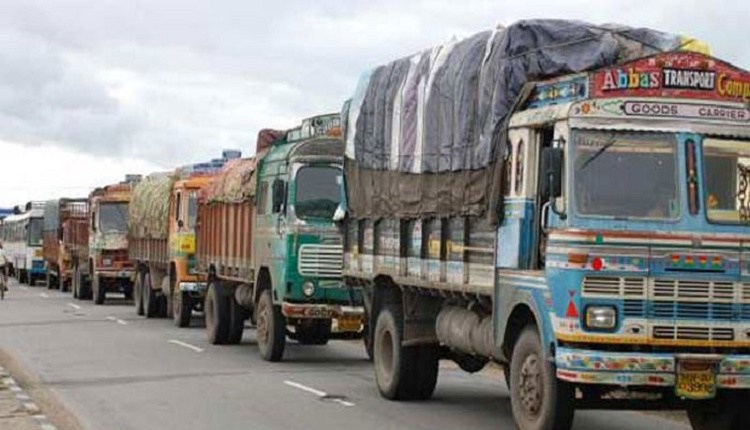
114,370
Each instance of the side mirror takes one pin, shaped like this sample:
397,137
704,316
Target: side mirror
278,195
552,171
340,213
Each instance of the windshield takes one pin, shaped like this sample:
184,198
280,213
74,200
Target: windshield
727,168
318,192
35,231
625,175
113,217
192,209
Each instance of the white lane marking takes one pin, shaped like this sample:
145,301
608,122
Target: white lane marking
111,318
44,295
186,345
122,322
74,306
306,388
316,392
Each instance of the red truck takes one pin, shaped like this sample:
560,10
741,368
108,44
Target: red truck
59,246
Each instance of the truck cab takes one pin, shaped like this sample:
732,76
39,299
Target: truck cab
109,266
297,242
627,209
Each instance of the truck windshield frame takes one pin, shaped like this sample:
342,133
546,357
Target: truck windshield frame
113,217
726,180
626,175
318,191
36,231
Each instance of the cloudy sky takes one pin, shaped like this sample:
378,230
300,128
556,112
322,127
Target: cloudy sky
91,90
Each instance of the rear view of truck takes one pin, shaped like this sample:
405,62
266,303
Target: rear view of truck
60,218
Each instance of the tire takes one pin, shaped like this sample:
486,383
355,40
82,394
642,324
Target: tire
725,412
138,292
74,281
271,328
313,332
63,285
150,300
49,279
539,401
237,317
216,315
100,293
402,373
30,279
367,340
182,309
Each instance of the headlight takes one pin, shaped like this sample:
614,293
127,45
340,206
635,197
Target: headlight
601,317
308,288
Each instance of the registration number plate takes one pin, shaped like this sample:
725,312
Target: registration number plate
696,380
350,324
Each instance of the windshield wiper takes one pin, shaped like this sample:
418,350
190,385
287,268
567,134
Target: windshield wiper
596,155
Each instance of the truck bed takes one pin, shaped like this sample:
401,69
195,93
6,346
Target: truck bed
224,239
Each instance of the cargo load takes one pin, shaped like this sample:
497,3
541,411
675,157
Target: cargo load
149,207
234,183
424,134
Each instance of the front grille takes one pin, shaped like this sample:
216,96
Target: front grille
614,286
324,261
679,289
693,333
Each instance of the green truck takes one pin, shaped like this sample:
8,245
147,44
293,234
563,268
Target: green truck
269,247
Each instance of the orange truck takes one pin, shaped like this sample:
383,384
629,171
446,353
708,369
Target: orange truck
161,239
108,267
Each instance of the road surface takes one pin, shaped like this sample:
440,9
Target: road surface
108,369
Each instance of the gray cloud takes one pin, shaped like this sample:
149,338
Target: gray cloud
172,81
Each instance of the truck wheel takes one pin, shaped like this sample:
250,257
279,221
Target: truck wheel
539,400
367,340
725,412
313,331
50,281
271,329
182,308
237,317
402,373
63,285
74,282
216,315
30,279
99,292
150,301
138,292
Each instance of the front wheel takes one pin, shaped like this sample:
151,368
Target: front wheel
99,291
150,300
217,315
539,400
402,373
271,328
182,308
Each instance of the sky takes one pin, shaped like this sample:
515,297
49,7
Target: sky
92,90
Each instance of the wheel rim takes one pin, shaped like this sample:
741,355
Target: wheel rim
262,327
530,386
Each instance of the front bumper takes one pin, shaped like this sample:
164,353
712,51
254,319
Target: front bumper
117,274
193,287
322,311
641,369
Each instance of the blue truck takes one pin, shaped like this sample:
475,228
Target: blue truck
600,255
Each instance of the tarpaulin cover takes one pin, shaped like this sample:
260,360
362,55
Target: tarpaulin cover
424,133
234,183
149,207
266,138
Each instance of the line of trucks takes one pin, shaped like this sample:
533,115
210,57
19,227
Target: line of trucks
565,200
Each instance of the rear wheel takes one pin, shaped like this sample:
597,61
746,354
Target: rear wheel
150,300
182,308
216,315
138,292
98,289
539,401
237,317
271,328
402,373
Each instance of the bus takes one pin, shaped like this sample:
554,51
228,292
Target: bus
22,240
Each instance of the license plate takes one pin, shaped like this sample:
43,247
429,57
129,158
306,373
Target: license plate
350,324
696,380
